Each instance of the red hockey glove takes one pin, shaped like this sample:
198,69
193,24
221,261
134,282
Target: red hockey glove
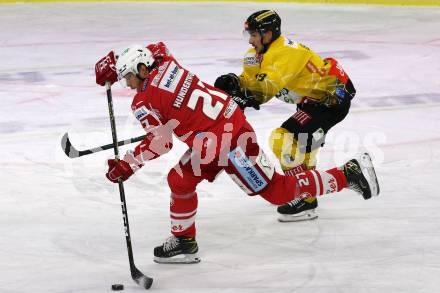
105,69
159,51
118,169
122,169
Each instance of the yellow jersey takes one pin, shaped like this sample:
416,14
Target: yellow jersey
292,73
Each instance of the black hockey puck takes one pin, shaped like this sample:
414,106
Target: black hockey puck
117,287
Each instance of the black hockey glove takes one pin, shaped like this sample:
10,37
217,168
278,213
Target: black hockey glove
245,102
228,83
231,85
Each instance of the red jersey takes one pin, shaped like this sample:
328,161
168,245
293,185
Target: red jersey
174,100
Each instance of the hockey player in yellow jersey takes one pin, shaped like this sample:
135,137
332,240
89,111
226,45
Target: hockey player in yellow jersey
277,67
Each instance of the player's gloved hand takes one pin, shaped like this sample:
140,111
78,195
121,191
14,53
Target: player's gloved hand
245,102
118,169
105,69
230,83
122,169
159,51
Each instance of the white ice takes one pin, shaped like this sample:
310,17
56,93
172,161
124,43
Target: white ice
60,219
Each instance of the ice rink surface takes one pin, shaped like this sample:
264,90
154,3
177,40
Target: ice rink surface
60,219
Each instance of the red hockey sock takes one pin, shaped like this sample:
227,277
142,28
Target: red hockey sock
311,183
314,182
183,209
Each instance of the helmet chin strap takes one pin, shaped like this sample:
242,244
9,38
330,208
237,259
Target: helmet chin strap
266,46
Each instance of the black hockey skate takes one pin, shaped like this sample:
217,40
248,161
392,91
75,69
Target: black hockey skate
298,210
177,250
361,176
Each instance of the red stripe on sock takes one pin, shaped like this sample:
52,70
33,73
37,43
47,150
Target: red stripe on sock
321,186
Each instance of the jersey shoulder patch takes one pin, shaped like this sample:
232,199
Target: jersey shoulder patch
171,77
141,113
251,58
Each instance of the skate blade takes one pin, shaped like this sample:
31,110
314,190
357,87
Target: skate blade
179,259
303,216
369,173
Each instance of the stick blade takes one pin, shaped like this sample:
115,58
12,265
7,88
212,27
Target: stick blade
68,148
142,280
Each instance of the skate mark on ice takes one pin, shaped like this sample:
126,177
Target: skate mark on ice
28,77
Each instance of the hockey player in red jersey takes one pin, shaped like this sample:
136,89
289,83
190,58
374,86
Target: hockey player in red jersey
173,101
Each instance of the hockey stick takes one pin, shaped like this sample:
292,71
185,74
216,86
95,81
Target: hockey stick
137,275
72,152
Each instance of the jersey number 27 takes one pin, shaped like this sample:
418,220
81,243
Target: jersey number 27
207,95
